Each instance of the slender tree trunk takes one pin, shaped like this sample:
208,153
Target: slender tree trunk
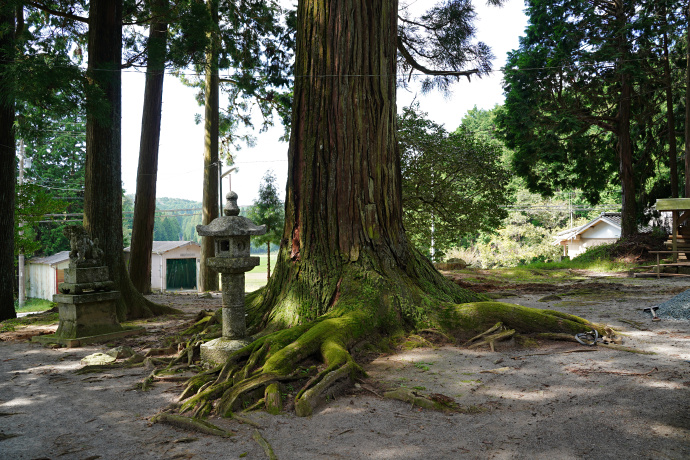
145,201
629,206
209,278
268,262
687,109
625,156
672,148
8,164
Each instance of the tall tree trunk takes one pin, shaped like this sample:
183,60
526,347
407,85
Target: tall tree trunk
8,164
625,154
629,205
268,260
102,182
670,118
209,278
343,202
145,201
687,108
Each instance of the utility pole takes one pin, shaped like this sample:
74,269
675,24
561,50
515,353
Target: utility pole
20,268
220,183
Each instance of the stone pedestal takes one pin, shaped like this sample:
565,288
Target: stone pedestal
87,314
87,318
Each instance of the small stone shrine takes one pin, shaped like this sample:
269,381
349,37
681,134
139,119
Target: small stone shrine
231,234
86,302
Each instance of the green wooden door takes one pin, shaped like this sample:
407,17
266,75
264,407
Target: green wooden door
180,274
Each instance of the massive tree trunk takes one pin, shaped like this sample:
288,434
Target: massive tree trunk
102,183
209,278
345,271
7,163
145,201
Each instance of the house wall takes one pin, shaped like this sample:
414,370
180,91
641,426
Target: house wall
577,247
42,280
601,231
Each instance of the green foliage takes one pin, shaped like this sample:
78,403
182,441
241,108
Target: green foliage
55,145
268,210
441,38
566,112
32,203
167,229
453,183
257,42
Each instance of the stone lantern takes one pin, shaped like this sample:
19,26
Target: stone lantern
231,234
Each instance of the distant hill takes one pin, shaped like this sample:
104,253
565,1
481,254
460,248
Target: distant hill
179,225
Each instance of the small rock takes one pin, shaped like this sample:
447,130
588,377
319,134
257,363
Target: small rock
97,359
550,298
120,352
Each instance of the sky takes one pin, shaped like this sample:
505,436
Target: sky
181,152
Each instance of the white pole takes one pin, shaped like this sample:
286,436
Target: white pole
22,287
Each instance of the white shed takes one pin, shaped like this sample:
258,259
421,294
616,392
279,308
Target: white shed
43,274
604,229
174,265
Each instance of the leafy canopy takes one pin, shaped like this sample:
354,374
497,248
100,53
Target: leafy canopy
453,183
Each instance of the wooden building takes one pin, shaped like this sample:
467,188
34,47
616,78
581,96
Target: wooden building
174,265
43,274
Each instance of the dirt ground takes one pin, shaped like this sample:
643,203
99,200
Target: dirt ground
559,400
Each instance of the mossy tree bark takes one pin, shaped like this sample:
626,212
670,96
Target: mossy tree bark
7,162
345,271
103,183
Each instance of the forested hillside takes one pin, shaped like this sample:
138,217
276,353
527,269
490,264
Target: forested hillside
176,219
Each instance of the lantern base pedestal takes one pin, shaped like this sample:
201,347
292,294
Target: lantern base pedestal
218,351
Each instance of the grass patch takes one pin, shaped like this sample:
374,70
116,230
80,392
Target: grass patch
256,278
39,319
34,305
423,366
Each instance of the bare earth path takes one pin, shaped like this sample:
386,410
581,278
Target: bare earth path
538,403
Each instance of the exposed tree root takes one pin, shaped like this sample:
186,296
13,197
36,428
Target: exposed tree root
312,361
191,424
489,337
265,445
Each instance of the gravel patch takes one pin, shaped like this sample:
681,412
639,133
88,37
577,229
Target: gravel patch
677,307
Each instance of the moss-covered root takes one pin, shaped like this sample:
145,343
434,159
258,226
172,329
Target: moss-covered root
191,424
264,445
254,372
477,317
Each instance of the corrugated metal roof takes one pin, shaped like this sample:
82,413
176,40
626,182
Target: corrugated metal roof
161,247
55,259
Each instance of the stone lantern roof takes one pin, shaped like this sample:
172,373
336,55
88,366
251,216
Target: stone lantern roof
231,224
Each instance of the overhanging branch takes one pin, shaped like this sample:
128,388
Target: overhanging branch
61,14
444,73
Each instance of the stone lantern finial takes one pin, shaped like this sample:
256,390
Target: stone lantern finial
231,208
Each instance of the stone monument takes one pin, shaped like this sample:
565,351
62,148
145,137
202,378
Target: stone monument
231,234
86,302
